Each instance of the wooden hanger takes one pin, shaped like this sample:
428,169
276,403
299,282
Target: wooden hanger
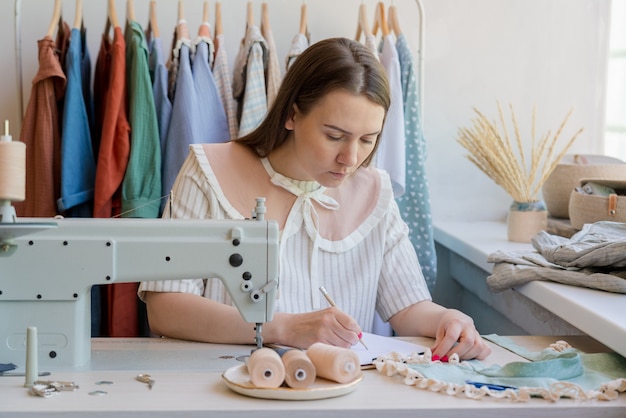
249,14
181,10
379,20
205,12
204,31
130,11
394,23
362,26
265,17
303,19
182,30
218,18
112,16
154,27
56,17
78,18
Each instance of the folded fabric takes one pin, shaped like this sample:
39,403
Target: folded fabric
5,367
558,371
595,257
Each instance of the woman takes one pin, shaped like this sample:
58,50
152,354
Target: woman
340,226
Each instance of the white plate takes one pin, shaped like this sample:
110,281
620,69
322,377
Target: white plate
238,380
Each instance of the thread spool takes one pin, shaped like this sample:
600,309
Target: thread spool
266,368
338,364
12,168
32,365
299,369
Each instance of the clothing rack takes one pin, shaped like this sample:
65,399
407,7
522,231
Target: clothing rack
419,55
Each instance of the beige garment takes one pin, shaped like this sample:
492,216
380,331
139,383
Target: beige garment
274,76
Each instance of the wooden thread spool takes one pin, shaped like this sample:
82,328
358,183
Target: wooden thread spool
12,168
299,369
266,368
32,370
338,364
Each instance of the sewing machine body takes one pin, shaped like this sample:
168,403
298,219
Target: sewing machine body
46,276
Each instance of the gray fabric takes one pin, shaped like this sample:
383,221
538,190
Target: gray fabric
595,258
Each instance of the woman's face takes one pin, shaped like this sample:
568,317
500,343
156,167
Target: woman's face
333,139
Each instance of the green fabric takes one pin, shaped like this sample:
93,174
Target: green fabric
545,368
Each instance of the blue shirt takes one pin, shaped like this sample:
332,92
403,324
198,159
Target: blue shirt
213,125
78,165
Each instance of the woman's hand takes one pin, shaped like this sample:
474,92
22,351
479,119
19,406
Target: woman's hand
456,334
331,326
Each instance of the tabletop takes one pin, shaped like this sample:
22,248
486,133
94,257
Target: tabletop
188,382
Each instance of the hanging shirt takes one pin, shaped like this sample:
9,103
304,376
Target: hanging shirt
184,128
112,160
158,74
114,148
414,204
370,43
41,134
221,74
249,80
85,69
211,114
354,244
298,44
78,166
141,188
274,76
390,155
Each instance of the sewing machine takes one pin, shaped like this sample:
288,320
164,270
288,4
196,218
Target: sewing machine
47,270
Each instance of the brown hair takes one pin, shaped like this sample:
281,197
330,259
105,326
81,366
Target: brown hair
325,66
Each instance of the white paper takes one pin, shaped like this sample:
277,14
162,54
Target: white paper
379,345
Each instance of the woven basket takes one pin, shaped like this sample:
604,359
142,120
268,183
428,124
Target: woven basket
558,187
587,209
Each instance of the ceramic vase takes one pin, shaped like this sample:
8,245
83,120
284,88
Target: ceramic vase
525,220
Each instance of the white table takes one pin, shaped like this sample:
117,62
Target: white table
188,383
597,313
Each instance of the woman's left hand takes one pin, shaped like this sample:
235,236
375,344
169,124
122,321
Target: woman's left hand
456,333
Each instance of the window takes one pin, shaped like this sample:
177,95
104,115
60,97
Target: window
615,135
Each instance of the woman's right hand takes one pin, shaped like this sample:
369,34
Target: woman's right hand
331,326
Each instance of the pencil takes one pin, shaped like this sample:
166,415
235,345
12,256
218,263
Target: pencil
332,303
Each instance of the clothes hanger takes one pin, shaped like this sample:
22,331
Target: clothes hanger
181,10
204,31
303,19
78,18
362,26
265,17
379,20
182,31
205,12
112,16
130,11
249,14
218,18
153,25
394,23
56,17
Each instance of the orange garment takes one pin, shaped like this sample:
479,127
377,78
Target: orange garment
114,147
42,136
120,316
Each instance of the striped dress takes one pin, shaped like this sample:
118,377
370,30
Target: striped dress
372,267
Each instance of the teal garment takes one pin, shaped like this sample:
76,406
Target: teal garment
141,188
414,204
543,372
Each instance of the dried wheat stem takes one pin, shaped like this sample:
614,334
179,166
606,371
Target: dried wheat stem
492,151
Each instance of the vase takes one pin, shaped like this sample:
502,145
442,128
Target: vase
525,220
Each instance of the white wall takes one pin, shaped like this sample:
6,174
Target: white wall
548,53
